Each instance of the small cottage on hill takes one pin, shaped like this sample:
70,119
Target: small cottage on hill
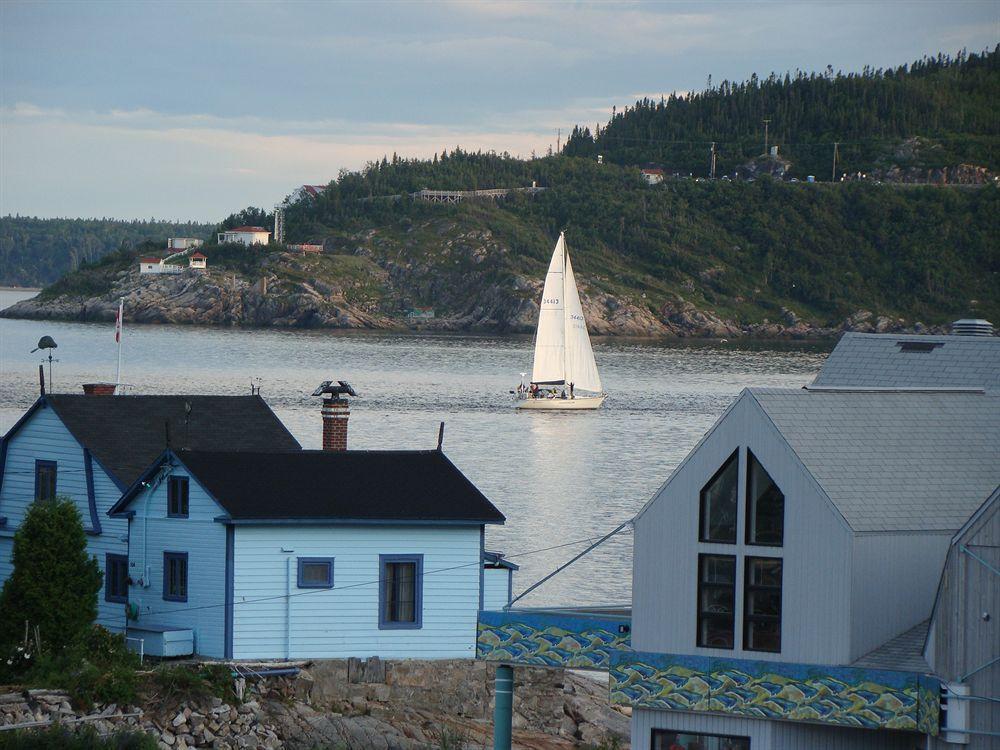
308,554
92,447
245,236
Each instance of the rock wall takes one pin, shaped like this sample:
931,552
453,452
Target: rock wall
354,704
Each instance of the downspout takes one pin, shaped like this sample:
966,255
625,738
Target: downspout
150,488
288,607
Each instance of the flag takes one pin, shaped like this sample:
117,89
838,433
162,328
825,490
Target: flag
118,325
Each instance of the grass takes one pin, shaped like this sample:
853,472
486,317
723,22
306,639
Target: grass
84,738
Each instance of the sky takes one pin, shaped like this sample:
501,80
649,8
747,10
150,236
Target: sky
195,109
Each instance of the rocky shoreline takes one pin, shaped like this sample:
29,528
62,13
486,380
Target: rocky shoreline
217,299
352,704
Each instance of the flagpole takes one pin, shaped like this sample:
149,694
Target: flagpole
118,336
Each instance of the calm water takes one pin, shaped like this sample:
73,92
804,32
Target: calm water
557,477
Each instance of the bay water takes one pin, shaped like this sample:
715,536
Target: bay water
561,479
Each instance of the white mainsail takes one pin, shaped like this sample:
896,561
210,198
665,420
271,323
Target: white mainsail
550,338
563,353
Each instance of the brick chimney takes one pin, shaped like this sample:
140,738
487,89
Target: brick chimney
99,389
336,412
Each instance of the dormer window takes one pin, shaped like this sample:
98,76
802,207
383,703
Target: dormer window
765,506
718,503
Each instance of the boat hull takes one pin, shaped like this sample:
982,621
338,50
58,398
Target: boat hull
562,404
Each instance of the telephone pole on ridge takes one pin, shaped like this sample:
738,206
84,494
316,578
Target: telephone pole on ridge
833,174
711,168
766,121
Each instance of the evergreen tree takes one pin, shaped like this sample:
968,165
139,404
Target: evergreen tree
55,582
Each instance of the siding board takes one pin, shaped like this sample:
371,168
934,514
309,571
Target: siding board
343,621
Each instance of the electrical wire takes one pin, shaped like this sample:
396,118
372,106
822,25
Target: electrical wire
373,582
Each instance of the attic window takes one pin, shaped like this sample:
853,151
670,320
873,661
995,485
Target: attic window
918,346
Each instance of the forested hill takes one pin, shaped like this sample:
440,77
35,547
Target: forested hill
36,252
949,101
684,257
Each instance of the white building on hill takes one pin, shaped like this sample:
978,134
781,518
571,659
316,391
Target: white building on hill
245,236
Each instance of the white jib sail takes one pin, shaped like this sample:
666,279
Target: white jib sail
550,338
581,369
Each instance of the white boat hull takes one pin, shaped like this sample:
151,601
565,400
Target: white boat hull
580,402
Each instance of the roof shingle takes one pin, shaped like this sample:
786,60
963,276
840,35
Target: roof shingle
127,433
894,460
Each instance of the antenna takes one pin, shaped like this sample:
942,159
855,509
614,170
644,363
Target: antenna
833,173
41,379
766,121
711,169
440,436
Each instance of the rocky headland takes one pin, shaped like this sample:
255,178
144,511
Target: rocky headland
462,280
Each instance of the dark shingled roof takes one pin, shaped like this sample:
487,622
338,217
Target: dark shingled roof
127,433
340,485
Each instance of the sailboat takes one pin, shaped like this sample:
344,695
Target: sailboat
564,374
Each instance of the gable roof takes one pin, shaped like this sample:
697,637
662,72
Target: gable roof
255,230
373,486
893,460
914,361
126,433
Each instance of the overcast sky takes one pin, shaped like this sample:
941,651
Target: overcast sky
196,109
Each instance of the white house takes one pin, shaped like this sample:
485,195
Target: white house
245,236
183,243
198,260
156,265
785,573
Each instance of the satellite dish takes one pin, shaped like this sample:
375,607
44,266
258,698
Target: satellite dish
45,342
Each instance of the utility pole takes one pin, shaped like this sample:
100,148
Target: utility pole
766,121
558,140
711,168
833,174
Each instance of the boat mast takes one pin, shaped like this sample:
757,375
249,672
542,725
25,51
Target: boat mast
565,312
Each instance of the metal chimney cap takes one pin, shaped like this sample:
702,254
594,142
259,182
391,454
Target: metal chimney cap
340,388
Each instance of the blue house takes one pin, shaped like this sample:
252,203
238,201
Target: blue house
92,448
318,554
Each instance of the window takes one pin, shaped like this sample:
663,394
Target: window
115,578
400,591
718,503
765,506
762,604
668,739
716,600
45,480
175,576
177,497
315,572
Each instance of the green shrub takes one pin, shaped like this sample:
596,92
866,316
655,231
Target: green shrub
53,588
173,682
85,738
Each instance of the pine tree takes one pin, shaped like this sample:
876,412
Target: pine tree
55,581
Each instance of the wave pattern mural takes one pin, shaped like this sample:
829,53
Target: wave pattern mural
551,640
865,698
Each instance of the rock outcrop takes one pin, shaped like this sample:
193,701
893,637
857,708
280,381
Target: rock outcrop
353,704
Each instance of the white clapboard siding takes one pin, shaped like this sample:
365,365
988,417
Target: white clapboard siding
816,573
204,540
496,588
343,621
45,437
